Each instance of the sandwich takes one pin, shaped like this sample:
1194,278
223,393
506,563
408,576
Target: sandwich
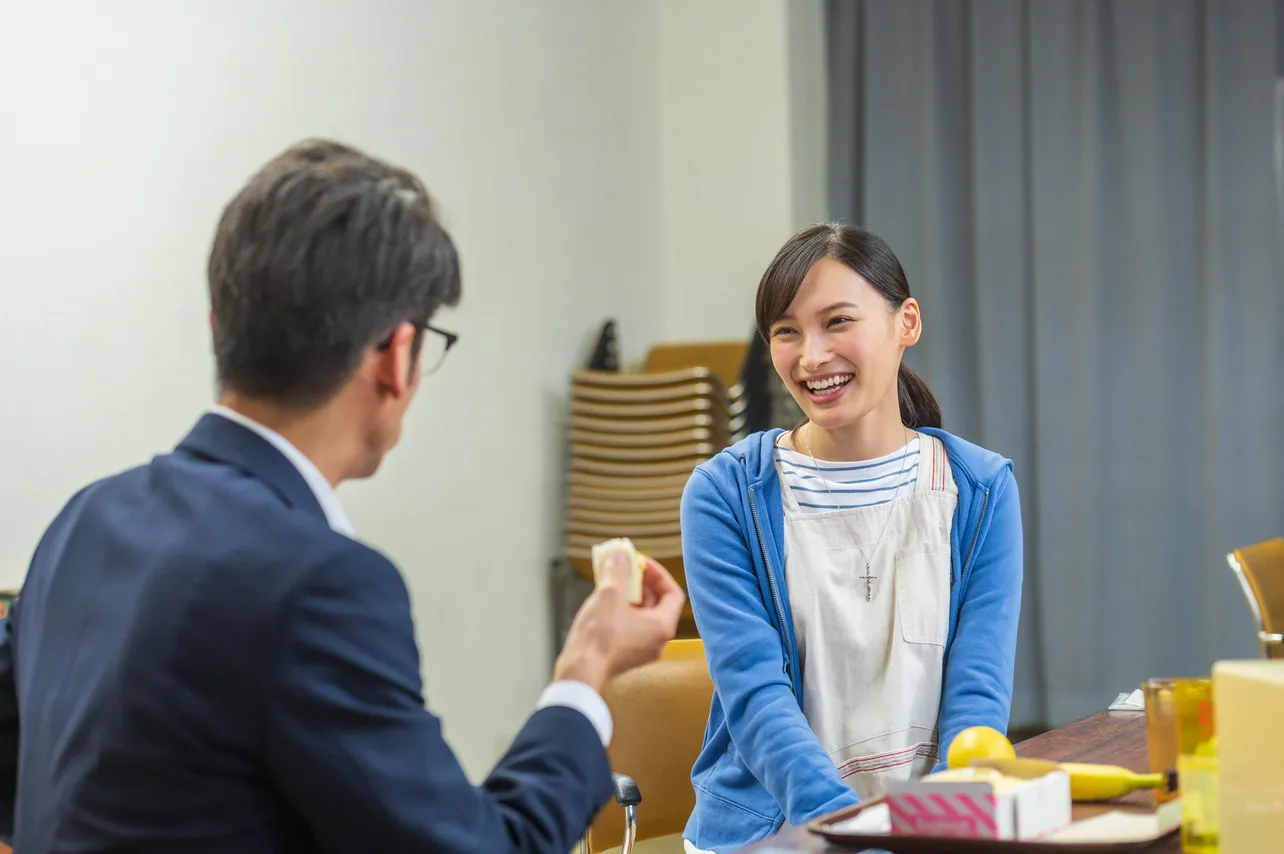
602,551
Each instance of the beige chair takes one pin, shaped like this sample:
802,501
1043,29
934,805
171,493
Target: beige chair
649,439
655,409
682,450
1260,570
634,439
642,472
696,420
725,359
586,500
650,487
660,712
598,515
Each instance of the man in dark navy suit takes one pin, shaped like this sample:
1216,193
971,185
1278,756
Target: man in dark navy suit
203,659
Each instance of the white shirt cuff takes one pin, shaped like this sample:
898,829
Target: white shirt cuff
586,701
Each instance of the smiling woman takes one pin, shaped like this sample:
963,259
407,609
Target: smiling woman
856,580
843,285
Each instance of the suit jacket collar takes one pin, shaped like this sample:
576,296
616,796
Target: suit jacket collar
216,438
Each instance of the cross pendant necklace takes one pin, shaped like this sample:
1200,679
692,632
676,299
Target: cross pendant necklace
869,580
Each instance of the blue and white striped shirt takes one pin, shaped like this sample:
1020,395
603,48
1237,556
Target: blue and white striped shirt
863,483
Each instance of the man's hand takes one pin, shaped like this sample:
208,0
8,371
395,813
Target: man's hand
609,636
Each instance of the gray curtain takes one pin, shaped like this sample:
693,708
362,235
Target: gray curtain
1083,195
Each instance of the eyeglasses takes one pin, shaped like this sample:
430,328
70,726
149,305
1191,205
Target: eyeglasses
434,348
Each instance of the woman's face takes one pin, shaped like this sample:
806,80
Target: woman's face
838,346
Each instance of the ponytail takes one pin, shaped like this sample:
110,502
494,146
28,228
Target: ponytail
918,405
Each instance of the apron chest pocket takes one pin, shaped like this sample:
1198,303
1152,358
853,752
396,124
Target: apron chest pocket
923,593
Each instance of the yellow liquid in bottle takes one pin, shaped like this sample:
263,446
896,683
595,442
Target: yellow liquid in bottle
1200,820
1197,767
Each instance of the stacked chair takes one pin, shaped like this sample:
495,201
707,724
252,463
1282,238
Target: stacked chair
633,440
724,359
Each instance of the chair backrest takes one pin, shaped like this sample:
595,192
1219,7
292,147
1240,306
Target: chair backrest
724,358
660,712
1260,570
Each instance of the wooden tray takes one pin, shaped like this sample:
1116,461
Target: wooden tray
1137,803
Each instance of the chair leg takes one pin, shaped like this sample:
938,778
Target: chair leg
630,829
557,578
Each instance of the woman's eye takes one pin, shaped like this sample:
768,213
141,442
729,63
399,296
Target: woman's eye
839,321
780,331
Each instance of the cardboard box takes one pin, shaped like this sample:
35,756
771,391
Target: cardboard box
1248,697
977,803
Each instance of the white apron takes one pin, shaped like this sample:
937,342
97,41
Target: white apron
872,670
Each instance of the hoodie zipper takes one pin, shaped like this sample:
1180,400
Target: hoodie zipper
775,598
985,504
771,582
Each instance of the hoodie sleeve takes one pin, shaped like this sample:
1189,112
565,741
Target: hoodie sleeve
746,660
981,661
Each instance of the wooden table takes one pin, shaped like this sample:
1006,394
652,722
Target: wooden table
1113,738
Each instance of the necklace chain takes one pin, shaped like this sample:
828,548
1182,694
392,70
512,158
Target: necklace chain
869,578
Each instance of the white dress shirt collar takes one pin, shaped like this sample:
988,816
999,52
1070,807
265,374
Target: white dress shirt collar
574,695
335,515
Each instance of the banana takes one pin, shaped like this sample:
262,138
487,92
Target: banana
1087,782
1105,782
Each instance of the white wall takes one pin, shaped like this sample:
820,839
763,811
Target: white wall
633,159
742,139
128,125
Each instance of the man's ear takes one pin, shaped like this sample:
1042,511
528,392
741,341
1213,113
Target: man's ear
394,364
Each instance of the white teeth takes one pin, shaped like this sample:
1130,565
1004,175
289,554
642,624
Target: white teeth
830,382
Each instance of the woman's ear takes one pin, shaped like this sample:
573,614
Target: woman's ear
911,322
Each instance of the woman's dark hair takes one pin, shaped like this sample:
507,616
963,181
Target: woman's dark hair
868,256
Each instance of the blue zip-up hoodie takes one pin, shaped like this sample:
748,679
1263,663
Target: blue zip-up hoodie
760,763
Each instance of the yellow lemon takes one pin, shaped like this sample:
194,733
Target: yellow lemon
978,742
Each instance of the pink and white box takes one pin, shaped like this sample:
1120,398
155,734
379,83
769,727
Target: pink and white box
963,803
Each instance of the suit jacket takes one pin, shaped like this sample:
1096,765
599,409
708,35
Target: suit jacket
199,663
